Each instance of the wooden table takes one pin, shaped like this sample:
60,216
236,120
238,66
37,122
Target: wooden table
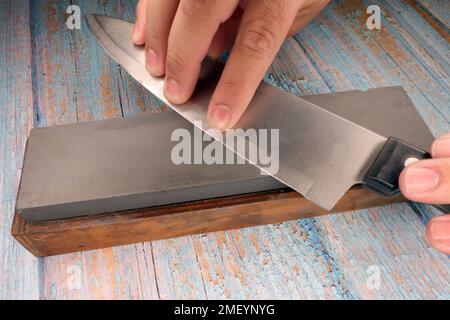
50,75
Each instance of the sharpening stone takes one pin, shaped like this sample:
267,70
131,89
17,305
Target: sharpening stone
123,164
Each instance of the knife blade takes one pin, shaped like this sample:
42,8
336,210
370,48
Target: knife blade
321,154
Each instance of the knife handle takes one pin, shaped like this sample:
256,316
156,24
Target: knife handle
382,177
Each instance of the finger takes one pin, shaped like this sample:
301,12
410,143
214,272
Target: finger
139,26
427,181
438,233
160,14
195,24
309,10
264,25
224,37
441,147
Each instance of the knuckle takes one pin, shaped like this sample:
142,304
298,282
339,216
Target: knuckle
175,62
196,8
257,41
278,9
154,35
229,85
260,34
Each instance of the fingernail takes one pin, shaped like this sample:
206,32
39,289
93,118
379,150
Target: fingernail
441,146
174,91
419,180
220,116
151,62
438,233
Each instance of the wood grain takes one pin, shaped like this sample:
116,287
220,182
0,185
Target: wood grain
61,236
249,263
19,278
77,81
326,257
349,56
438,9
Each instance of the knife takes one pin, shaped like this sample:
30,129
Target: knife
321,154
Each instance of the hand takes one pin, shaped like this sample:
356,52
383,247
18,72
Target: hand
178,34
428,181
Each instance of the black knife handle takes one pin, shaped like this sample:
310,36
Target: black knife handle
382,177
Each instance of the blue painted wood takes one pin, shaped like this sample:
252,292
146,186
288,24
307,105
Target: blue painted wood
337,256
19,277
439,9
75,80
349,56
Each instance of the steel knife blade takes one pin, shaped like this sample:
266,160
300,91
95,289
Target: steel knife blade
321,154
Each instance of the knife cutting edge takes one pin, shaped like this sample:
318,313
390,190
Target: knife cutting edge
321,154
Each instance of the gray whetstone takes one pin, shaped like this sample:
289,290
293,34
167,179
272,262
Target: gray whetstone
122,164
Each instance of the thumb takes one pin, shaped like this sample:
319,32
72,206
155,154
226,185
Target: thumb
427,181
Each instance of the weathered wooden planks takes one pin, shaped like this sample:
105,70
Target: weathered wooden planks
76,81
257,262
344,51
19,278
311,258
438,9
350,56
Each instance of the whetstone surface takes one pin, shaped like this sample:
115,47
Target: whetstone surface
123,164
120,164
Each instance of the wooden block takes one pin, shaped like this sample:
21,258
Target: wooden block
122,164
55,237
84,186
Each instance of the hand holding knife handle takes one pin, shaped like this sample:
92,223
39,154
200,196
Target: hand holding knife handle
383,175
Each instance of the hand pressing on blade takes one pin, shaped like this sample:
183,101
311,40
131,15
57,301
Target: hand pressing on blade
179,34
428,181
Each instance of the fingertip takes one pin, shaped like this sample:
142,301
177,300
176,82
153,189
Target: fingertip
402,183
419,180
174,91
220,116
138,35
153,63
438,233
441,147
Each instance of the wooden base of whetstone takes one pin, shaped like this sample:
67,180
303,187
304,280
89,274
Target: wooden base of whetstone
88,169
55,237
